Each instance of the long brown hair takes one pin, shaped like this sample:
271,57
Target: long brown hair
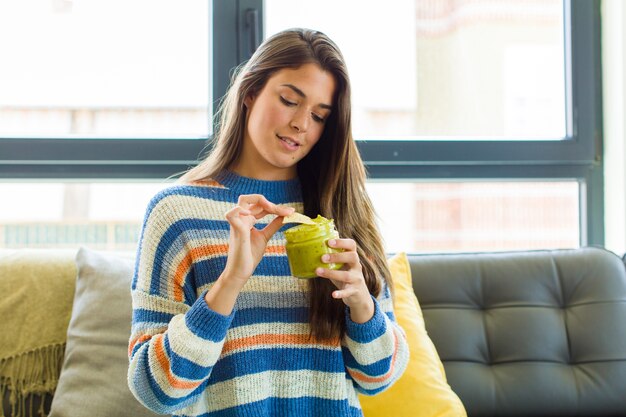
332,175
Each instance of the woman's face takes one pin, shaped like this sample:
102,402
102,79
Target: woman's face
284,121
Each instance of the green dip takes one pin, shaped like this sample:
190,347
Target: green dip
306,243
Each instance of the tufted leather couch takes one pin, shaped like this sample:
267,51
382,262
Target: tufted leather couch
529,333
520,333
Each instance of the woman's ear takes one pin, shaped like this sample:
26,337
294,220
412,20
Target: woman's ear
248,101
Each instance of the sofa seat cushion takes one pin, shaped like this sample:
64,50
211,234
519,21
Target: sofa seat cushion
529,334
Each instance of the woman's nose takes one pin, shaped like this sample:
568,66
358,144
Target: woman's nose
300,121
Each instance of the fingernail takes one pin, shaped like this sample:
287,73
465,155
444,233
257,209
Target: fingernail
325,258
331,242
319,271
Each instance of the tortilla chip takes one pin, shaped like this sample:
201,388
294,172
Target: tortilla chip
297,218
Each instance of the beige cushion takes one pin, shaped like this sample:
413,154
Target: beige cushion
93,377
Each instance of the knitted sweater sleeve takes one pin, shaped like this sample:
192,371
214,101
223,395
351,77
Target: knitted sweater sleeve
175,338
375,353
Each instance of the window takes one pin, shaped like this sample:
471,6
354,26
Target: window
76,213
105,69
480,95
440,69
470,216
529,136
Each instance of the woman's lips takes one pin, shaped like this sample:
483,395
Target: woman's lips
289,143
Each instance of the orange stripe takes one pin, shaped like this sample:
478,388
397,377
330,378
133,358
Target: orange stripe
185,264
165,366
140,339
208,183
277,249
360,376
274,339
201,252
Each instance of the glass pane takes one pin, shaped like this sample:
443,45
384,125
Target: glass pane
76,214
413,217
461,69
477,216
104,68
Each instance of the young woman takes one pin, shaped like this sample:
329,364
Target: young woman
220,327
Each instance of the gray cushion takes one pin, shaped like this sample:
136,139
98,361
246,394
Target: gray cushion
529,334
93,377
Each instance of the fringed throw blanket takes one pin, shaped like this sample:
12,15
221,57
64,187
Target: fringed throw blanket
36,295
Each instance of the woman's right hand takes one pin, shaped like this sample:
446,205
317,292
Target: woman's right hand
247,244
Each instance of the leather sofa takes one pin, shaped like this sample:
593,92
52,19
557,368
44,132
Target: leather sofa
536,333
528,333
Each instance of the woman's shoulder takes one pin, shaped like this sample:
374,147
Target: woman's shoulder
201,188
179,195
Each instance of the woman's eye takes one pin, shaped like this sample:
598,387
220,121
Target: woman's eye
287,102
317,118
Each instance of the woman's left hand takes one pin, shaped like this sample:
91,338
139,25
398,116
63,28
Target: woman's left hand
350,282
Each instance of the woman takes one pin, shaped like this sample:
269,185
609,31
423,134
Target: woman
220,327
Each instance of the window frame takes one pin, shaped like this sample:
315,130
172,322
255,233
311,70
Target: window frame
578,156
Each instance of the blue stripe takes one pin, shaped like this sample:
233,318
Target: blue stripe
206,323
189,288
270,315
362,390
277,359
183,366
369,331
147,385
301,407
269,265
135,349
375,369
274,265
150,316
207,193
372,391
193,226
170,237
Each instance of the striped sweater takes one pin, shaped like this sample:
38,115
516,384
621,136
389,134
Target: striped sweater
188,360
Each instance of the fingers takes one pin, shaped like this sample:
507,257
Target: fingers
347,254
348,283
261,206
272,227
252,207
236,212
346,244
345,293
238,217
350,258
334,274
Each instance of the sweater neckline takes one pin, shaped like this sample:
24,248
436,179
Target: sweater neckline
275,191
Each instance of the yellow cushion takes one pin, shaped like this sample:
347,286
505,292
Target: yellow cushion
422,391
